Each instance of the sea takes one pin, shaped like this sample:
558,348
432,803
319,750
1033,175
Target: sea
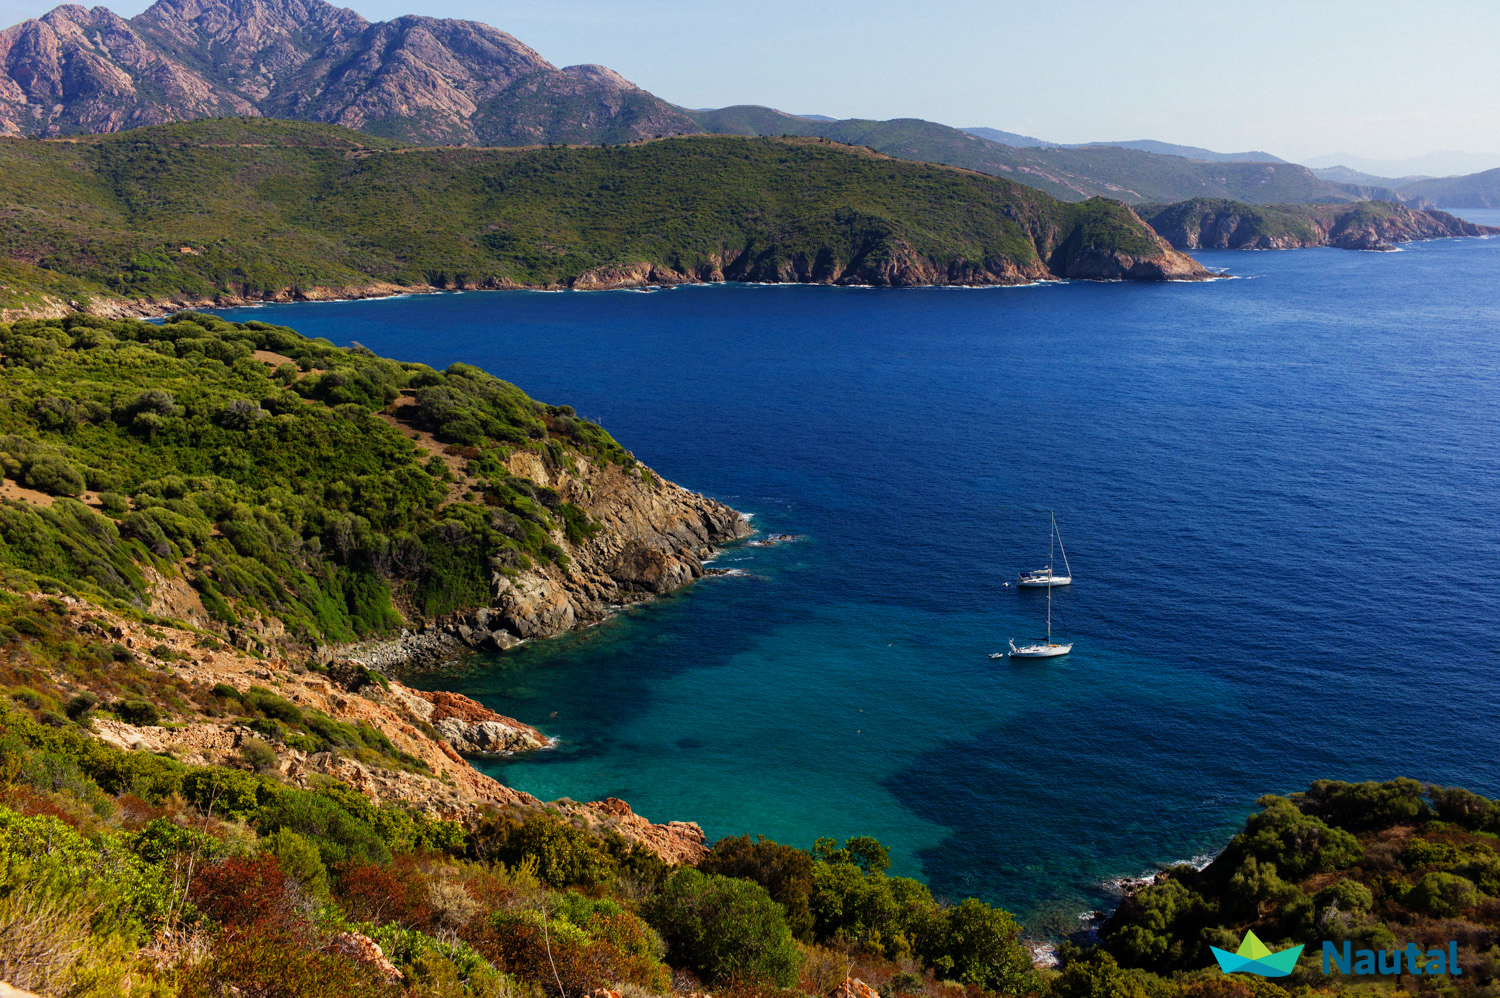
1279,497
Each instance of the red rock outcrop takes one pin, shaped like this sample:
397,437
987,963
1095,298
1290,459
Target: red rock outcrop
675,841
363,949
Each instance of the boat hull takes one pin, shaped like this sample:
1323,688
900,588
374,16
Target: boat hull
1040,651
1056,580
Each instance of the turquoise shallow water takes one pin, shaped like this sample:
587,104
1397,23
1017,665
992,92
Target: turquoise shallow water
1278,494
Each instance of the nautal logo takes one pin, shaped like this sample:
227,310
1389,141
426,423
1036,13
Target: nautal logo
1254,958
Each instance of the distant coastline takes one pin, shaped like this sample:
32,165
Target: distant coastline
157,307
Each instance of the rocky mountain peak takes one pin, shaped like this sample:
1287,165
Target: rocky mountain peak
421,79
602,75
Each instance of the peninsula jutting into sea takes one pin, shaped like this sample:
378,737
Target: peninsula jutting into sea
357,638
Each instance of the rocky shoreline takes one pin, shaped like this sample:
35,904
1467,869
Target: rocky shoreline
1216,224
903,270
434,730
655,537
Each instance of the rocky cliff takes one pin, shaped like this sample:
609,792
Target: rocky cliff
1371,225
655,537
428,730
446,500
422,79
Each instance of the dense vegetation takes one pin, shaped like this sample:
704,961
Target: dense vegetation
130,871
1070,173
126,869
255,207
278,487
1378,865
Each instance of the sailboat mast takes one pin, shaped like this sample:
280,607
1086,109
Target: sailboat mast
1050,538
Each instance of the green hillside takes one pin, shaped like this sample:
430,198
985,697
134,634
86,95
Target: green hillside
1130,175
1477,190
275,494
1379,866
1216,223
256,207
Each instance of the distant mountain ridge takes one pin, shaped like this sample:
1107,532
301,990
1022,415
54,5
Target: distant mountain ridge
1072,173
1187,152
419,79
1140,145
1444,163
1008,138
433,81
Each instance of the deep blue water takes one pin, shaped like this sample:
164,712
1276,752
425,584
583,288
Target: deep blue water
1279,496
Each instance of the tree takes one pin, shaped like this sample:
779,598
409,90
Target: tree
864,851
979,945
725,929
1298,844
1097,976
1363,806
53,475
786,872
1443,895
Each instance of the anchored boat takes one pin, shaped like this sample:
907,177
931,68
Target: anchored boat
1040,649
1043,576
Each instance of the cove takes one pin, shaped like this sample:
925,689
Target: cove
1273,489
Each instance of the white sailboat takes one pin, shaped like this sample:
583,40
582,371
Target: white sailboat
1044,576
1048,648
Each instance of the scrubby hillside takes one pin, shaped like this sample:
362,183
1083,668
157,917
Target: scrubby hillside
1379,866
182,818
288,492
244,209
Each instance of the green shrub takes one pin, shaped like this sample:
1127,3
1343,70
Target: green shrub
27,697
258,755
301,860
137,712
1465,808
339,835
269,728
784,871
279,964
114,504
1443,895
565,856
55,476
258,698
724,929
1360,806
1158,928
101,875
979,945
1298,844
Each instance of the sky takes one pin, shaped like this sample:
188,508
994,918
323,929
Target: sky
1381,79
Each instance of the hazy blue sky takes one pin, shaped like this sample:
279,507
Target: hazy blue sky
1380,79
